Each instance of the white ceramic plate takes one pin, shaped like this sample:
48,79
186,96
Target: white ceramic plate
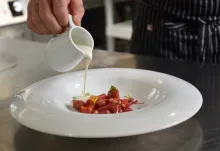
168,102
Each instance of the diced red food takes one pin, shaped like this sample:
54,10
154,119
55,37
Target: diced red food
96,112
123,106
77,104
102,96
109,100
105,104
100,103
90,103
113,94
130,99
103,109
125,101
102,112
115,102
87,110
127,109
115,108
107,112
133,102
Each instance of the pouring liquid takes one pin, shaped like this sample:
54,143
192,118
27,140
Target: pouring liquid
88,52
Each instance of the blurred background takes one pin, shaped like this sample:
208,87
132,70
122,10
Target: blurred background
109,22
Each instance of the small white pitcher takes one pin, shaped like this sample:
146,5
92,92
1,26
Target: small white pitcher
62,53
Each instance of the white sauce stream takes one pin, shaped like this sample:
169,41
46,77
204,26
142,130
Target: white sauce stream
88,52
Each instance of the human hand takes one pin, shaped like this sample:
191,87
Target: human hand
52,16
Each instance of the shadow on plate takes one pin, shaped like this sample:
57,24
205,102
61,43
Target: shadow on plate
184,137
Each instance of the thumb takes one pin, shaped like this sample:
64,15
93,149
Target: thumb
77,11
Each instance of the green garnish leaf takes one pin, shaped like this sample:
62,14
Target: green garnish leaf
113,88
75,97
129,96
87,94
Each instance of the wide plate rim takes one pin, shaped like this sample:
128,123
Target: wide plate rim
114,135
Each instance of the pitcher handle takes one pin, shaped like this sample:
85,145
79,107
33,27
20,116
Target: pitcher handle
71,23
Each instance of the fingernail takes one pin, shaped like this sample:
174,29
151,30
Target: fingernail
77,20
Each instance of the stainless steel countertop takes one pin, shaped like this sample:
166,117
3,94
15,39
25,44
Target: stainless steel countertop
200,133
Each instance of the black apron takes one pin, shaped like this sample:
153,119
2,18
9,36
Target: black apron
177,29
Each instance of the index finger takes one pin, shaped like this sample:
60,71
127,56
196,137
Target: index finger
47,16
77,11
29,19
60,9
